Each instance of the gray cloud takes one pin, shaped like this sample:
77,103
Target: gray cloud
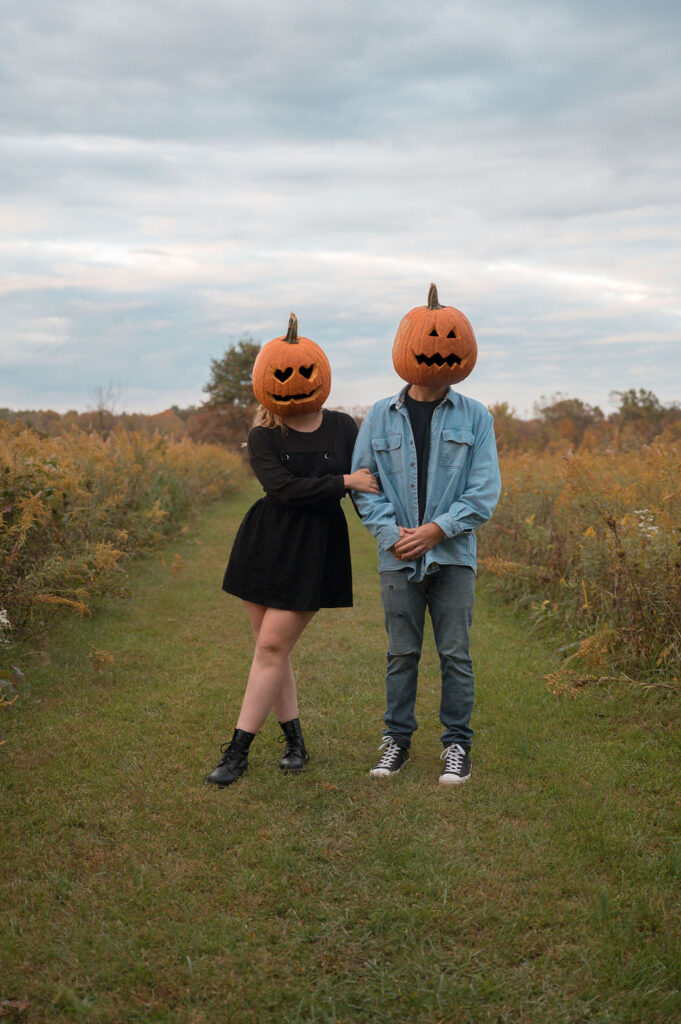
175,176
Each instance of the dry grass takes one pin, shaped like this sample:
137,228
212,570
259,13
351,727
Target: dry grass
590,543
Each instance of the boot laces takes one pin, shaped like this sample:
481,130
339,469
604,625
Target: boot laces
290,744
231,751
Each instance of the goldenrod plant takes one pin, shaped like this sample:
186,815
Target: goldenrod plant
73,507
591,543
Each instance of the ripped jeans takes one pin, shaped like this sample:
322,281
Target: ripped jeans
448,594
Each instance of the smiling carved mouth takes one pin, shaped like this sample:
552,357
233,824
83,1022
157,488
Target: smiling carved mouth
293,398
437,360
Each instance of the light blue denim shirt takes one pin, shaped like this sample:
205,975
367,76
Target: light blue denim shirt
463,478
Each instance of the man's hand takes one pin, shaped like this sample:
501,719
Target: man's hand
415,541
404,530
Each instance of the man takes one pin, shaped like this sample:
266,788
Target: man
434,453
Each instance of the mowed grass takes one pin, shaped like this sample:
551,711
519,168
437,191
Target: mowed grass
545,890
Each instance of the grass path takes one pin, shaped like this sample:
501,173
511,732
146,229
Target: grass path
544,891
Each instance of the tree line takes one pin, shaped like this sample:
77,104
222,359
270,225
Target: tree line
224,417
561,423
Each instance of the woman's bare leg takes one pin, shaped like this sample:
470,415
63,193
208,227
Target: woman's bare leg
255,614
286,704
271,683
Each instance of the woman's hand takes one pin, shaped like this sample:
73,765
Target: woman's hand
361,480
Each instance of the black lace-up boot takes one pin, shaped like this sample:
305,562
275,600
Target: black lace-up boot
234,760
295,755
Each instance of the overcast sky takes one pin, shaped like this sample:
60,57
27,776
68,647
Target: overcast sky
176,175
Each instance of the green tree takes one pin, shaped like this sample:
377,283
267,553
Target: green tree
637,404
226,415
230,376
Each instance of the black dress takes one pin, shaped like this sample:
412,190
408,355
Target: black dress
292,549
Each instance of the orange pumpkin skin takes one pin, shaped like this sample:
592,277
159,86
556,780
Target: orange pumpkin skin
434,345
291,375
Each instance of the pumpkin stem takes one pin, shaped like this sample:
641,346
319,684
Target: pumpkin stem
292,335
433,301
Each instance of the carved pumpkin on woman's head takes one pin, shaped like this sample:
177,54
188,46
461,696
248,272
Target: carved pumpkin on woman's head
434,344
291,375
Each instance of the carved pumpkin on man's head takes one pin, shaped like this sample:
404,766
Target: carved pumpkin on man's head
291,375
434,344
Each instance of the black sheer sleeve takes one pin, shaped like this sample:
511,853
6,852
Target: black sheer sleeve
349,435
280,483
350,431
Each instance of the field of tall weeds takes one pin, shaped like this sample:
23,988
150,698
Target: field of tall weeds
73,507
590,543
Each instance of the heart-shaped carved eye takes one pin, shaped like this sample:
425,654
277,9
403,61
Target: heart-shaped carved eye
283,375
307,371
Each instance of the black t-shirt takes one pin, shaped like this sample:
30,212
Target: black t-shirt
421,414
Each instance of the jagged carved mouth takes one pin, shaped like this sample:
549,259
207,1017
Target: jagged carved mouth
293,398
437,359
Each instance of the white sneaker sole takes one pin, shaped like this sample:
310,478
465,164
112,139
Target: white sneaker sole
382,773
454,780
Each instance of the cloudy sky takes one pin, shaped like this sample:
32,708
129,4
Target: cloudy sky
176,175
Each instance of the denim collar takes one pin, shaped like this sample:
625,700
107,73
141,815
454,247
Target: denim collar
397,401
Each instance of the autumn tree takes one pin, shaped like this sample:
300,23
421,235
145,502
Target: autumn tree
640,416
103,409
566,420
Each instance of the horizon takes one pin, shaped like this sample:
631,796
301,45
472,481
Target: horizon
357,408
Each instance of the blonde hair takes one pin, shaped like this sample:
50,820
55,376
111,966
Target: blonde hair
264,418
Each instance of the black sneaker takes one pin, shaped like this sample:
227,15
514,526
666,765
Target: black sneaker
457,766
392,758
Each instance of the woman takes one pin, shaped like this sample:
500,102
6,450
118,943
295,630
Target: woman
291,554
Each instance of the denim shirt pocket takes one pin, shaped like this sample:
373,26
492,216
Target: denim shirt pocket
455,447
388,452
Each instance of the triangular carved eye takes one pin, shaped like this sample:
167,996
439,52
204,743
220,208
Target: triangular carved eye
433,334
283,375
307,371
452,334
